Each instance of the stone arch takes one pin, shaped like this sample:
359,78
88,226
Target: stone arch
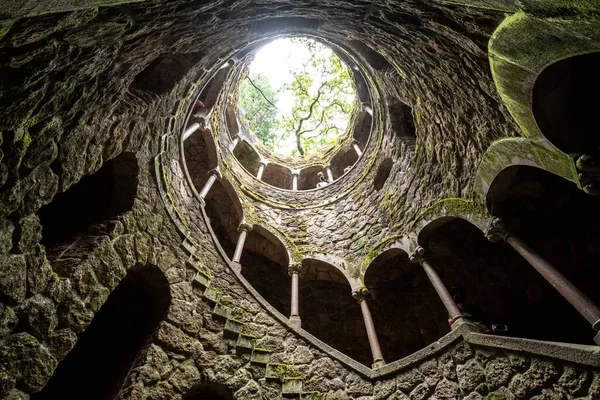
200,154
328,310
564,103
225,214
383,172
210,92
209,392
75,220
119,330
265,260
522,151
308,178
278,176
406,309
362,129
522,47
345,157
248,156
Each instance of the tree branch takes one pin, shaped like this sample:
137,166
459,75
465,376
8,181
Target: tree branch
262,94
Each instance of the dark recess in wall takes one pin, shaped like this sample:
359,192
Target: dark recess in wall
105,351
402,119
164,73
383,172
94,200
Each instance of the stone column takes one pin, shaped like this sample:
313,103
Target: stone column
356,148
243,230
368,109
234,143
191,129
329,173
360,297
294,270
585,307
419,257
261,169
295,180
214,174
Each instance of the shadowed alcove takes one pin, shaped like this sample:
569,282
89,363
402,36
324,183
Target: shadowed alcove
345,157
565,103
329,311
209,392
265,265
91,206
247,156
278,176
407,312
106,350
561,223
223,215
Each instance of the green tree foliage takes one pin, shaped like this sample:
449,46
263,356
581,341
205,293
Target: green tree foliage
257,100
323,96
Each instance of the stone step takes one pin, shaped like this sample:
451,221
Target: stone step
202,280
245,342
314,395
291,387
234,326
222,311
279,372
212,295
260,356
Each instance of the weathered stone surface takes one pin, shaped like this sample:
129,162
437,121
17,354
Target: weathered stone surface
408,380
185,377
498,372
60,343
357,386
250,391
421,392
539,374
470,375
385,388
39,271
302,355
13,277
174,339
38,316
446,390
8,320
73,313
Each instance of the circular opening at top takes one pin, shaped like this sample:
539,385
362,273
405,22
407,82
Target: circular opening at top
297,96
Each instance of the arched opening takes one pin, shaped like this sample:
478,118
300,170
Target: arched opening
407,312
278,176
231,119
106,350
90,207
562,224
265,266
210,93
200,157
247,156
346,157
383,172
362,129
329,311
223,216
309,178
565,103
162,74
372,57
209,392
401,119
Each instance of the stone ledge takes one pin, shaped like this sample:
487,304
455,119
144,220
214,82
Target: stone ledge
576,353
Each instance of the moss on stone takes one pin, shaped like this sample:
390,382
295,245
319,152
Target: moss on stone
456,207
495,396
376,250
285,371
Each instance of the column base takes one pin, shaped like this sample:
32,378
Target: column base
378,364
597,338
237,266
468,325
295,322
202,202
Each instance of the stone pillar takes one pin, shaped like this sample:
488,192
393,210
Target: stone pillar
356,148
294,270
419,257
214,174
192,128
360,297
329,173
234,143
295,180
261,169
368,109
239,247
585,307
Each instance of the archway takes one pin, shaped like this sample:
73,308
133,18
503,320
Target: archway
278,176
329,312
565,103
265,265
106,350
247,156
407,312
223,215
562,224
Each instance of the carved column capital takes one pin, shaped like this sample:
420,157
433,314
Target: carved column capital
295,172
244,227
293,269
419,255
216,172
496,230
360,294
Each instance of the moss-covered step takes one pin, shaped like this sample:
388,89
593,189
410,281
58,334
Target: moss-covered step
233,326
212,295
312,395
291,387
202,280
221,311
279,372
260,356
245,342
